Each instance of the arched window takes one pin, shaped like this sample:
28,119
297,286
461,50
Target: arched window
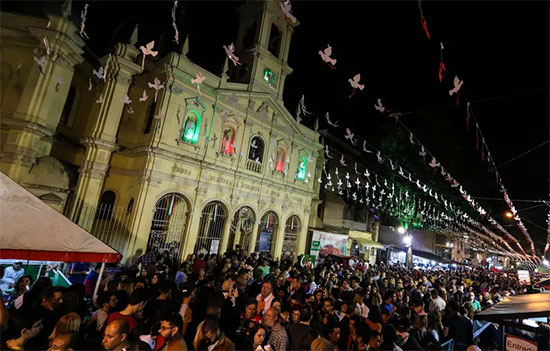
228,142
256,152
268,228
106,205
274,40
280,161
301,174
191,126
68,107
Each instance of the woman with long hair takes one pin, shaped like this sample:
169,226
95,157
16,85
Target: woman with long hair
69,322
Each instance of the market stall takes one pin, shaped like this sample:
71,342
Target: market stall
32,230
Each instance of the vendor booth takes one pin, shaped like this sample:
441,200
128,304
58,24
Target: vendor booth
519,313
30,230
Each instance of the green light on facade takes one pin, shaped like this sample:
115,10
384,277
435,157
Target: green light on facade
302,169
192,126
269,76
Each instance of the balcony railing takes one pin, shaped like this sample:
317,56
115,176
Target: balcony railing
253,166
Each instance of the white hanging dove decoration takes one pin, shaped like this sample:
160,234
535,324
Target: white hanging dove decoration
100,99
325,56
355,84
126,100
101,73
349,135
83,15
144,96
147,50
379,157
309,158
326,151
287,11
434,163
303,106
379,106
342,161
199,78
90,86
395,115
41,63
229,52
365,148
177,33
457,85
411,138
131,110
422,151
335,124
157,86
253,144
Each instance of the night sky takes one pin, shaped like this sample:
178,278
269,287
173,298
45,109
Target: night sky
499,49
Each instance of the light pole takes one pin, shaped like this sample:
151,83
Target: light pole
408,242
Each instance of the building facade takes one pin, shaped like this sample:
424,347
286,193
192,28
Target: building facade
143,154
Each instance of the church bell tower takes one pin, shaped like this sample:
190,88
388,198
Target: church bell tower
262,45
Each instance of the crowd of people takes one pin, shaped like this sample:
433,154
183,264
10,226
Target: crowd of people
233,302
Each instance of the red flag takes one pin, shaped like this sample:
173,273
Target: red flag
424,25
441,70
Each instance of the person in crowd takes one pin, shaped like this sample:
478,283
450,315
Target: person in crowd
297,332
115,337
23,331
437,304
69,322
133,311
77,272
457,327
21,286
13,273
171,330
474,302
65,341
91,280
278,337
213,338
387,309
265,297
106,301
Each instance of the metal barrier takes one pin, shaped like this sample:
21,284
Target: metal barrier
448,345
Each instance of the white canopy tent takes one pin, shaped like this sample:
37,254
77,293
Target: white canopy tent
32,230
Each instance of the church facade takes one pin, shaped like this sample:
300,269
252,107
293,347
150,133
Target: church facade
157,152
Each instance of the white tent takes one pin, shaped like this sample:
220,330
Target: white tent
32,230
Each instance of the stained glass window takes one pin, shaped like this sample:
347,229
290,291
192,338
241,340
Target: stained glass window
269,76
191,127
228,142
280,161
301,175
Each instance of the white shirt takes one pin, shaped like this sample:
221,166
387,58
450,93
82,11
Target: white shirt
437,305
267,300
11,275
362,310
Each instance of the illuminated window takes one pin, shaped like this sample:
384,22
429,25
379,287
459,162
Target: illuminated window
191,126
256,150
301,175
228,142
280,161
269,77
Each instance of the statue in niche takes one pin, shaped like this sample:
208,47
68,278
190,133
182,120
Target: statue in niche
228,145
